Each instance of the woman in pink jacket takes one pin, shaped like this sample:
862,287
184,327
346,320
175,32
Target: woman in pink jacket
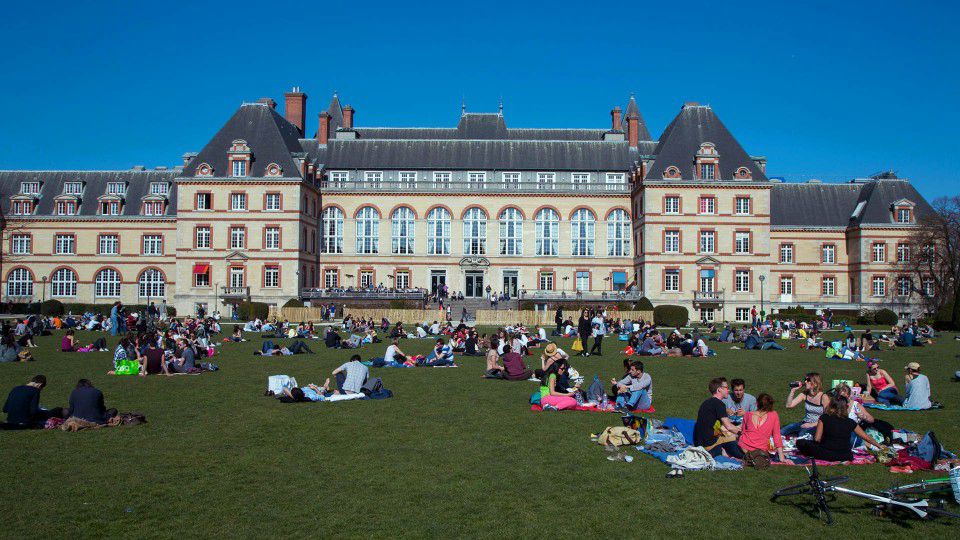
759,426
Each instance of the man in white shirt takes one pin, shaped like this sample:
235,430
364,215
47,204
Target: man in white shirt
393,353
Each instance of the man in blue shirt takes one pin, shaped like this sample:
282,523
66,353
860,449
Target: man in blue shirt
23,405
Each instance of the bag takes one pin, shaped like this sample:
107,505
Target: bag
619,436
24,356
629,351
577,345
535,398
209,366
757,459
127,367
595,391
276,383
372,386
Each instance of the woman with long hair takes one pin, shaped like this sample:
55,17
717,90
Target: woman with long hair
833,439
814,402
759,427
553,388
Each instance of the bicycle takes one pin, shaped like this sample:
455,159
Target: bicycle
819,488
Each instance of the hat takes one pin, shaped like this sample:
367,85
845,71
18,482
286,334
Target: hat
912,366
551,348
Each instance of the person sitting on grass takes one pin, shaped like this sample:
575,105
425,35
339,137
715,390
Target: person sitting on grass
635,389
814,402
759,426
152,360
237,336
185,358
23,405
351,376
554,394
513,366
471,346
711,413
552,353
86,406
917,388
861,416
833,439
441,355
880,385
393,355
494,369
739,401
10,351
69,344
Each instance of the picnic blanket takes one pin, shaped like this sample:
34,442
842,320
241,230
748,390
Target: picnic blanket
694,458
592,408
884,407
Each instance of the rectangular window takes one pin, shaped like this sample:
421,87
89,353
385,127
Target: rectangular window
742,314
408,180
238,201
616,180
239,167
238,238
152,244
442,179
202,280
741,281
903,253
671,280
338,179
928,287
366,279
65,244
159,188
708,241
828,254
671,242
403,280
580,180
204,201
742,206
72,188
476,180
671,205
110,208
271,276
582,281
546,180
828,286
203,237
904,215
271,237
511,180
373,178
331,279
786,253
741,242
109,244
879,286
272,202
904,286
707,314
153,208
66,208
708,205
21,244
116,188
708,171
30,188
546,281
22,208
236,277
879,253
786,285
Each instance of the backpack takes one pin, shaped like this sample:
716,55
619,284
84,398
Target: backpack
619,436
372,386
595,391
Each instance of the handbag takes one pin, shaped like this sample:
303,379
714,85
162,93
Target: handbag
577,345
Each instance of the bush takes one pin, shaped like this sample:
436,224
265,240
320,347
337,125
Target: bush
249,311
51,307
294,302
885,317
644,304
667,315
796,313
865,318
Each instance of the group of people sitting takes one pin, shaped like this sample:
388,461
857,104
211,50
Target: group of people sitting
85,409
351,380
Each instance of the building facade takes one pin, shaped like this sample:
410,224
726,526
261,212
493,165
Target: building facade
265,213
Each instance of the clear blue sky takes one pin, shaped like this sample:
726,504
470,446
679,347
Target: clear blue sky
827,90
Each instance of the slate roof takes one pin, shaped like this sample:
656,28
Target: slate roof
836,205
634,112
271,138
879,196
681,140
95,185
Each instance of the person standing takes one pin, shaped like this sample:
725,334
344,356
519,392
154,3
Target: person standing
597,340
584,331
163,310
115,318
558,318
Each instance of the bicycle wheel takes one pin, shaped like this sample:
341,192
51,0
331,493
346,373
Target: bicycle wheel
920,488
799,489
940,511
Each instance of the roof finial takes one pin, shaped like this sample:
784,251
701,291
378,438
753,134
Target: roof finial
463,106
501,106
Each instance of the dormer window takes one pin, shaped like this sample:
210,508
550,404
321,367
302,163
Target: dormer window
73,188
671,172
707,161
66,208
159,188
239,157
117,188
239,168
205,170
743,173
110,207
30,188
153,208
22,207
904,215
903,211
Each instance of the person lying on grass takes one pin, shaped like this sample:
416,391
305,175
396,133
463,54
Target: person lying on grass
308,393
833,439
271,349
69,344
635,390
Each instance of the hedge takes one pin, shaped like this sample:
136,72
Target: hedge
667,315
294,302
796,313
644,304
52,307
76,308
249,311
885,317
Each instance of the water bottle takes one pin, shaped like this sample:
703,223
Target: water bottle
955,482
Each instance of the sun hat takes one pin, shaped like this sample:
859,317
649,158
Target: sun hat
912,366
551,348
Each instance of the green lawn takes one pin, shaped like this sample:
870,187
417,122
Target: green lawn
450,455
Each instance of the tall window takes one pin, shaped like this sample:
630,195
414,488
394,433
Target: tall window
904,215
203,237
708,171
671,205
547,223
72,188
904,286
511,232
671,280
408,180
828,286
546,281
511,180
879,286
65,244
618,234
742,314
741,281
475,232
546,180
109,244
204,201
879,253
708,205
20,283
438,232
152,284
373,178
331,279
903,253
708,241
786,285
107,284
582,280
63,283
671,242
402,231
442,179
368,230
332,236
582,232
239,167
402,280
271,238
366,279
928,287
786,253
741,242
828,254
238,238
238,201
742,205
237,277
21,244
22,208
271,276
272,202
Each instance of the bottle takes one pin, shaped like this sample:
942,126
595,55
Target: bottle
955,482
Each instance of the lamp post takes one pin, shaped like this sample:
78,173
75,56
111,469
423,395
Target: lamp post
762,279
43,297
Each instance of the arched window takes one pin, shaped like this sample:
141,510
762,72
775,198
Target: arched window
332,227
152,284
511,232
582,232
403,230
107,284
438,232
475,232
63,283
20,283
618,234
368,230
547,223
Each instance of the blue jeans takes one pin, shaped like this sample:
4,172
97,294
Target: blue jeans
890,396
771,345
638,399
795,430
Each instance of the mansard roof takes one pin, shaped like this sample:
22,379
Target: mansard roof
879,195
858,203
94,185
682,139
271,138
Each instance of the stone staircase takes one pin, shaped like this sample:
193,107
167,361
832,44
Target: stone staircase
473,304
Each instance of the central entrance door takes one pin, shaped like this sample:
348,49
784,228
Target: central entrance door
474,285
438,278
510,283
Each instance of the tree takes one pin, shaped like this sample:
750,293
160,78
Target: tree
935,258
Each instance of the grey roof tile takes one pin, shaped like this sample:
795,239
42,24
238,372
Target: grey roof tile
812,205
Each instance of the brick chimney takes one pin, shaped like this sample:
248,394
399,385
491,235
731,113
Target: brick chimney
268,102
615,115
295,108
323,131
633,131
348,117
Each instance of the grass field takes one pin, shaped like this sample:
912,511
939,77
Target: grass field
450,455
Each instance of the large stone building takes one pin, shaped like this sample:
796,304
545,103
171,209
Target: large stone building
264,213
